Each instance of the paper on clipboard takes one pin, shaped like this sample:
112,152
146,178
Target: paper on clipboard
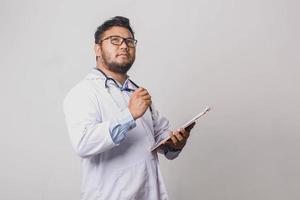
194,119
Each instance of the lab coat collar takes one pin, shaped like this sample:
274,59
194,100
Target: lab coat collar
96,74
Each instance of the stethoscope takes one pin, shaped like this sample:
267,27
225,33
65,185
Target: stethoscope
115,82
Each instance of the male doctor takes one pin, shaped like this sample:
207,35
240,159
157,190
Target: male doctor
113,124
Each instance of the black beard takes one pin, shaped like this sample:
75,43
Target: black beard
119,68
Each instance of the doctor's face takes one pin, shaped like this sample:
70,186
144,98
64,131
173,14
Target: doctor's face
116,50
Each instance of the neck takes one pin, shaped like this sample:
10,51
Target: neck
121,78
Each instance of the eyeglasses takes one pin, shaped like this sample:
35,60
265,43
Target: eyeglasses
118,40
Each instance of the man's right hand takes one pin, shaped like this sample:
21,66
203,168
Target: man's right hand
139,102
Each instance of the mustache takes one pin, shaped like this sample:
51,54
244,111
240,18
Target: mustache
123,53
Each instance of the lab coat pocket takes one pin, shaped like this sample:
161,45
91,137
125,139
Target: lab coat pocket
133,181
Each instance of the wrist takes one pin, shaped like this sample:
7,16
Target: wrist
132,114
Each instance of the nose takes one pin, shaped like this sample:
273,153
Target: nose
123,45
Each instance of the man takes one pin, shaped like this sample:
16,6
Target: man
113,124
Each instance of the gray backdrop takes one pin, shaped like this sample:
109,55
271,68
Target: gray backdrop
241,57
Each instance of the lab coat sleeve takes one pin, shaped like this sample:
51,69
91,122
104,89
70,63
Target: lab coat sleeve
120,125
162,130
169,152
88,133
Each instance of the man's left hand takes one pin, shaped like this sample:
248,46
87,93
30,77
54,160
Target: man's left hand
178,138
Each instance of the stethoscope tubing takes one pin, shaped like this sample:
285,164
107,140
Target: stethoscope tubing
115,82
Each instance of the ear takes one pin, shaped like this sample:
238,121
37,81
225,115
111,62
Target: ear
97,50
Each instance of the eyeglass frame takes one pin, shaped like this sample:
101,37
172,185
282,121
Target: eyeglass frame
123,39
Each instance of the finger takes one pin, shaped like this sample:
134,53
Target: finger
146,97
143,93
140,93
184,133
190,127
136,93
145,102
148,102
174,139
169,141
178,136
140,89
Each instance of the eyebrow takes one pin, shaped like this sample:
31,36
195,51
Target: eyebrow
119,36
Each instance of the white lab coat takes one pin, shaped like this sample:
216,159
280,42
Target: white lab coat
110,171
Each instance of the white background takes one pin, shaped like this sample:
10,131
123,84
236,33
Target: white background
241,57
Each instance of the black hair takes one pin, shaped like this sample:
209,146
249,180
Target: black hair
115,21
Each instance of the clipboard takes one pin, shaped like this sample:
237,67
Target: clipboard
187,124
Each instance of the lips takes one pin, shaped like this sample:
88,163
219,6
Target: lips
123,54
